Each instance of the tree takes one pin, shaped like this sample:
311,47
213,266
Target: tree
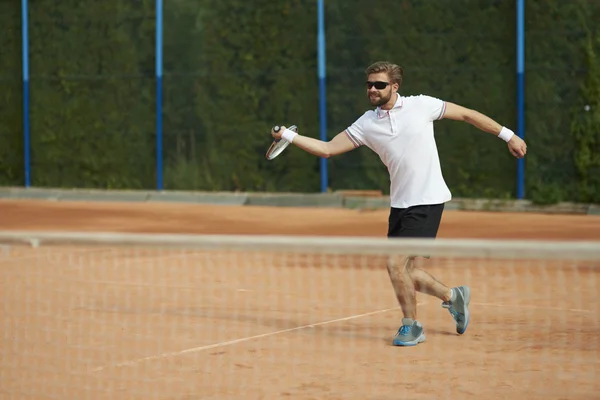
11,99
92,93
585,128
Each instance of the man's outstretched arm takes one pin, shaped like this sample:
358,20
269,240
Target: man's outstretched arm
516,145
341,143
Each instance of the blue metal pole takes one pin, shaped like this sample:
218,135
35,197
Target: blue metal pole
322,91
25,49
159,73
521,93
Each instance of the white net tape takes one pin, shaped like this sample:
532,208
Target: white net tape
123,316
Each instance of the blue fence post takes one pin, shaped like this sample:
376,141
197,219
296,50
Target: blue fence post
25,49
322,91
159,101
521,93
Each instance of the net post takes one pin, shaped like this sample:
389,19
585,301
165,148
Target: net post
521,93
25,49
322,91
159,74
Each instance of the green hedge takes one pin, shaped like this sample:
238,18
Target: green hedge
234,68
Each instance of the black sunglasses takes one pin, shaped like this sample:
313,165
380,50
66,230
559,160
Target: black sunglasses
378,85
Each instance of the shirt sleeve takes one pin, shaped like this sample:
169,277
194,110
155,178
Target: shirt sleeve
434,107
356,132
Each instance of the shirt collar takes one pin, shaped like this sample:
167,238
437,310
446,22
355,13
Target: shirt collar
399,102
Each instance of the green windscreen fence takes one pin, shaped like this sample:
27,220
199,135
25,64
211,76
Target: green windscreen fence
232,69
92,93
12,164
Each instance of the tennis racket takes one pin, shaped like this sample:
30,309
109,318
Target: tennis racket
278,146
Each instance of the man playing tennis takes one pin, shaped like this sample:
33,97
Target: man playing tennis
400,130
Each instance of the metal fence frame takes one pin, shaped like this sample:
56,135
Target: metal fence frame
321,53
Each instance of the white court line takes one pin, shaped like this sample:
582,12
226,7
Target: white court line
530,306
235,341
263,335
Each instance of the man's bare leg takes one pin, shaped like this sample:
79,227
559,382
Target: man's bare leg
411,332
398,270
407,279
455,300
425,283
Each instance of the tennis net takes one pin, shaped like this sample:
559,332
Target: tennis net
132,316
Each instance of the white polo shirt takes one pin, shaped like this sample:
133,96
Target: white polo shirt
403,138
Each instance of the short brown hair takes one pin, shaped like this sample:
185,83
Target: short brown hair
394,72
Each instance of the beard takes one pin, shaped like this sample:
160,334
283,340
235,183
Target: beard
379,100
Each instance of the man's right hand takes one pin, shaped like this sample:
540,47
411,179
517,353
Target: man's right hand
277,135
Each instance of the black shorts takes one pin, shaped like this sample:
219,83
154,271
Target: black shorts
421,221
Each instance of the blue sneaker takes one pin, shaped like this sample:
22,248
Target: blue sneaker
459,307
410,333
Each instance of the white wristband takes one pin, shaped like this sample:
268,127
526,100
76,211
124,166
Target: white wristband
289,135
505,134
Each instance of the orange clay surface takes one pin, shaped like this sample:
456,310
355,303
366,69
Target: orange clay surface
214,219
124,323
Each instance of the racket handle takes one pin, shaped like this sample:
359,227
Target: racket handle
276,128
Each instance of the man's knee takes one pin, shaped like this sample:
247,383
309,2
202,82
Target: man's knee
400,264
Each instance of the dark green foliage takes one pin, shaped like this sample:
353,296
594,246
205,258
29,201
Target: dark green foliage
92,93
11,100
555,72
244,70
463,57
234,68
586,127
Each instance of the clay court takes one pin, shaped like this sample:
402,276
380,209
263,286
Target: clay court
100,322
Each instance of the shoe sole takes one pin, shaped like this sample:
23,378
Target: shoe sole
415,342
467,300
